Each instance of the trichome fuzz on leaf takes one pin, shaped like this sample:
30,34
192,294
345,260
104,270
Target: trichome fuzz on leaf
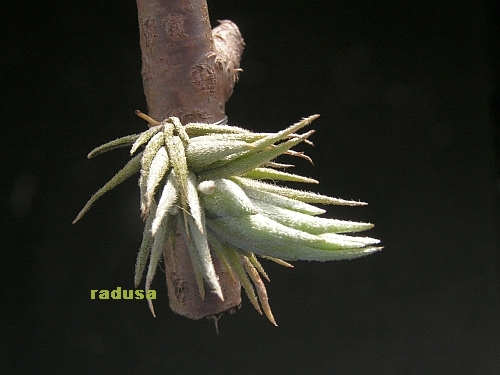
209,180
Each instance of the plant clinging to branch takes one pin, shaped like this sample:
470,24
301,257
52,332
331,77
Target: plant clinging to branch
208,181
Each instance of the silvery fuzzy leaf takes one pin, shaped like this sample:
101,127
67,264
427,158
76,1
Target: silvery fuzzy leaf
168,198
308,223
206,187
272,164
228,199
197,129
260,223
193,201
215,246
128,170
248,161
248,137
144,250
303,196
145,137
177,158
234,261
256,194
276,137
200,155
159,242
156,142
157,171
199,239
193,254
360,241
273,174
263,236
179,129
117,143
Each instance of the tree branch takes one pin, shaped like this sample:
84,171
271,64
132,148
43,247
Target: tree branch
189,71
185,73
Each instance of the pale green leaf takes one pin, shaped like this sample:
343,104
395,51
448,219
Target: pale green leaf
157,172
308,223
159,242
144,249
167,200
273,174
128,170
263,236
145,137
197,129
303,196
234,261
253,191
117,143
248,161
200,155
228,199
200,242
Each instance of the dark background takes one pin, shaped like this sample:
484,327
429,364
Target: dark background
408,94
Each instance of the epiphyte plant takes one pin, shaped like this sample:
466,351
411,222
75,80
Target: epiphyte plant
208,180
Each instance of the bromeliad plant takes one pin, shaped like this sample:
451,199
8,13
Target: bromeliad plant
208,179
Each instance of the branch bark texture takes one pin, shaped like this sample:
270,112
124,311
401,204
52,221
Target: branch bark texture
189,71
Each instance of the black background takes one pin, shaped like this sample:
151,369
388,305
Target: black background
409,100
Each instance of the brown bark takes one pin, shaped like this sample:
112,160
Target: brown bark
189,71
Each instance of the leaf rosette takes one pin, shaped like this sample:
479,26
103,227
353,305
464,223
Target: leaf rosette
210,181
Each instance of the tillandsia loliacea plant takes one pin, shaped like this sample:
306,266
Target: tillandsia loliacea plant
209,180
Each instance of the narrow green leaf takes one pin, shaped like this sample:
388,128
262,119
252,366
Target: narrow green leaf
248,161
144,250
303,196
216,245
117,143
197,129
157,172
273,174
159,241
194,255
200,155
263,236
145,137
234,261
193,201
271,164
156,142
276,137
252,190
200,242
167,200
308,223
128,170
179,129
177,158
358,241
248,137
228,199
